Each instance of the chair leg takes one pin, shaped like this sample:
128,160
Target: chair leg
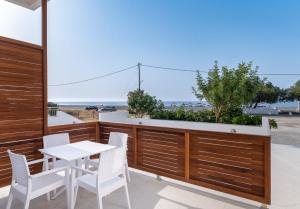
26,203
99,200
59,192
127,196
9,201
68,187
127,172
48,196
54,193
75,194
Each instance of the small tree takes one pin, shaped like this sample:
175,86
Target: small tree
141,103
295,93
285,95
267,93
227,89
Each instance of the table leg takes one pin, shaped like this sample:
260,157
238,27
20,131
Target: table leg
68,179
54,162
71,187
86,166
45,168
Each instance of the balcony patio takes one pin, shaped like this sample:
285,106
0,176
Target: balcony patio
174,165
146,192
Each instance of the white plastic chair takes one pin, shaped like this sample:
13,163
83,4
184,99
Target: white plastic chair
119,140
26,187
109,177
54,140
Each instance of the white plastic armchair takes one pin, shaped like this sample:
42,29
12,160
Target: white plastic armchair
109,177
26,187
119,140
54,140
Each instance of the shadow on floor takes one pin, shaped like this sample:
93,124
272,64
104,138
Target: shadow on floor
145,193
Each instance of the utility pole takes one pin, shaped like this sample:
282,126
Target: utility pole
139,72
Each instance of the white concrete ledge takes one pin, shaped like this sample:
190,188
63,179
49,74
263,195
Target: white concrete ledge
122,118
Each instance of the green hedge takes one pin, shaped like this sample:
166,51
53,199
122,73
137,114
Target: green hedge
236,117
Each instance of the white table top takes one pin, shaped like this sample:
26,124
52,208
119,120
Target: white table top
76,151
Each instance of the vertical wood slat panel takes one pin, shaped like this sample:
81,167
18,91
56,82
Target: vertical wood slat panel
236,164
21,103
45,62
267,170
135,143
187,155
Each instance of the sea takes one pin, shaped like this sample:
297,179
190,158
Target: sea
124,103
167,103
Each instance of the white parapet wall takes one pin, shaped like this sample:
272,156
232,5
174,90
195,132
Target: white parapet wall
122,118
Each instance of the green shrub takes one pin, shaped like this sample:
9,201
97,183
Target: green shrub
247,120
273,123
235,117
141,103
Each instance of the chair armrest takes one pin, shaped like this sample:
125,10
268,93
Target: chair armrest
83,170
47,172
36,161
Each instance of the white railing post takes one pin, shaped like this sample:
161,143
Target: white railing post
266,126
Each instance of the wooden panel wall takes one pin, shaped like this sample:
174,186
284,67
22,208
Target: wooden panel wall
237,164
230,162
169,146
21,101
77,132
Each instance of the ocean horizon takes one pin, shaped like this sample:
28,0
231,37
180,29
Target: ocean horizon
166,103
123,103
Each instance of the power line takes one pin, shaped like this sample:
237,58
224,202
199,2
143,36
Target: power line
94,78
174,69
280,74
202,71
163,68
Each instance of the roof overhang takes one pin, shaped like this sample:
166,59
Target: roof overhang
29,4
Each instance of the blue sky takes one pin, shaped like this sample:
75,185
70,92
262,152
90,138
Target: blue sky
90,38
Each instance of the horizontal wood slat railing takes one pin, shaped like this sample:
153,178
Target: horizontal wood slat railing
29,147
21,102
78,131
236,164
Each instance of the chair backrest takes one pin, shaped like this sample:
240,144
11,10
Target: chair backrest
56,140
118,139
111,164
20,170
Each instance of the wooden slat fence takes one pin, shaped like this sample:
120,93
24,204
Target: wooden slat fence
168,145
237,164
21,102
78,131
